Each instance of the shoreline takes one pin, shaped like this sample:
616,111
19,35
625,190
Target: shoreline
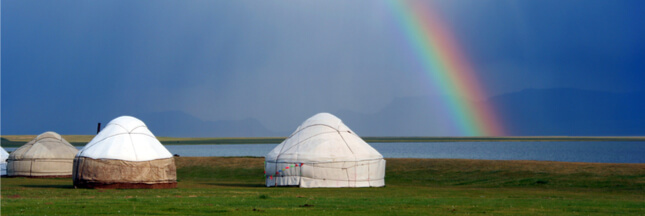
81,140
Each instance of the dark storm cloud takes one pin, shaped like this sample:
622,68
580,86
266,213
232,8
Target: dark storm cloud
281,61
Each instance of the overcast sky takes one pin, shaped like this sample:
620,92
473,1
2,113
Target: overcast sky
281,61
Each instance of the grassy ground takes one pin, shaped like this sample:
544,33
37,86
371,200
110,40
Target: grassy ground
81,140
215,185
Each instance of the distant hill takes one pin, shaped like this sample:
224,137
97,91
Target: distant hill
180,124
531,112
170,123
409,116
572,112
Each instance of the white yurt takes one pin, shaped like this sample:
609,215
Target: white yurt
324,152
47,155
125,154
4,155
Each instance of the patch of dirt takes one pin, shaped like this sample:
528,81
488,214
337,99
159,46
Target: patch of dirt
307,206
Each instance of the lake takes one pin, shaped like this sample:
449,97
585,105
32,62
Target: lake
603,152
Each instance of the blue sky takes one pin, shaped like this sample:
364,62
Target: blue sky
282,61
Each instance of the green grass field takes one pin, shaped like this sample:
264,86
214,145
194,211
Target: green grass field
220,185
81,140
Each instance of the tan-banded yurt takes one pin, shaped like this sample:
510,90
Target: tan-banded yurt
48,155
125,154
324,152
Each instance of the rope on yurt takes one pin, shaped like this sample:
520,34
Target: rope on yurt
369,183
322,165
136,156
350,149
282,150
308,126
317,165
31,167
117,134
301,141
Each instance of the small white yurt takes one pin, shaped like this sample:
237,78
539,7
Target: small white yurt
4,155
323,152
125,154
47,155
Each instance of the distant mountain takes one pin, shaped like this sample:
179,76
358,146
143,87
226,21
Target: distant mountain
572,112
170,123
180,124
531,112
409,116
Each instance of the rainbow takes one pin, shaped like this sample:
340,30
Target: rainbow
447,67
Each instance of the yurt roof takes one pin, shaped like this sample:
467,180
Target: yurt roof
48,145
49,135
323,138
125,138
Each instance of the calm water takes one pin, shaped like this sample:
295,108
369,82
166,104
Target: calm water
604,152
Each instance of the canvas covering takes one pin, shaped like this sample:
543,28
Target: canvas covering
47,155
125,154
89,172
324,152
4,155
125,138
